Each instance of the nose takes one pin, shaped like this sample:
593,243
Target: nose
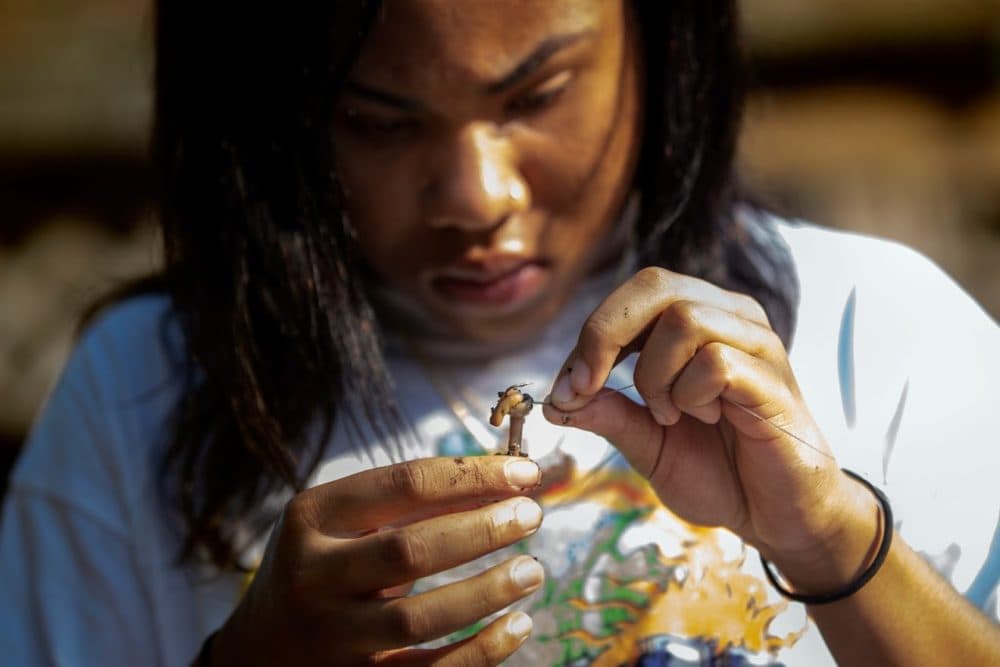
476,183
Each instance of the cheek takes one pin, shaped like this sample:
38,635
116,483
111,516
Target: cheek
380,204
561,175
564,154
577,173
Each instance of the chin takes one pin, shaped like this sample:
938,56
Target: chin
497,326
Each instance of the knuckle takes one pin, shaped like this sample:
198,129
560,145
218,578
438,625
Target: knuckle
771,343
597,328
302,510
488,599
716,358
501,590
653,278
404,552
683,315
753,306
406,624
648,383
485,651
491,532
761,344
409,480
495,647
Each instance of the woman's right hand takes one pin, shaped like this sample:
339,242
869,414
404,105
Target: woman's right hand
331,588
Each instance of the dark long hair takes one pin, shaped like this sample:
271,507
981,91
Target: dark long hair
261,267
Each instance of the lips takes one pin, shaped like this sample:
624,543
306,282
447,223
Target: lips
498,286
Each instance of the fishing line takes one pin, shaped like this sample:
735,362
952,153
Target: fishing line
743,408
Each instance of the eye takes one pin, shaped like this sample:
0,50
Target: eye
375,126
537,101
542,97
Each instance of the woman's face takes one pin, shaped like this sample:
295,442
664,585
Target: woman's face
487,149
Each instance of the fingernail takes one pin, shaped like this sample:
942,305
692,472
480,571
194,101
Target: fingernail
525,513
673,415
658,416
528,573
528,514
522,473
579,377
519,624
563,392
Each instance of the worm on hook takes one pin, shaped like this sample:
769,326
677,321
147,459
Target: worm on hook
513,402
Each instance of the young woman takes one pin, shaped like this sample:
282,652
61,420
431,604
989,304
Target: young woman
378,215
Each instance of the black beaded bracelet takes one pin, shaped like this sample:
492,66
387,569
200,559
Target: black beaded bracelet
865,577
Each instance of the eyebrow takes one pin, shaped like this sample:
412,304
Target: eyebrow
531,64
535,60
383,97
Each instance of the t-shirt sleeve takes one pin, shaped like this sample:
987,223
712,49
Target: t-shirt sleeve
74,586
70,592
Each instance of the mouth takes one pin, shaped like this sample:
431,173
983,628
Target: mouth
498,288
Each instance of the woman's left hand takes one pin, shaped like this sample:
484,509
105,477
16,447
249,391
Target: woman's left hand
704,351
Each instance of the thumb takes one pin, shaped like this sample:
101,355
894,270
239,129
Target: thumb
628,425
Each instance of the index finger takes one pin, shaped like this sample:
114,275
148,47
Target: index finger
619,325
405,492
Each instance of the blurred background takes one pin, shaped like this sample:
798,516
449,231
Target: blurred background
881,116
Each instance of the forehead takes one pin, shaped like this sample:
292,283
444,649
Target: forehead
440,41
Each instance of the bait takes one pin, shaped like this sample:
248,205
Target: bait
515,403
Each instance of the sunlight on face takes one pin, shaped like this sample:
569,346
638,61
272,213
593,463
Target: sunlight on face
487,149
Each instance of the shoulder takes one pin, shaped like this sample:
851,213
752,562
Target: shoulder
890,349
137,324
131,351
892,310
896,285
849,257
93,443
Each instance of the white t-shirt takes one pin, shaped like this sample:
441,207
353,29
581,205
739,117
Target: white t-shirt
900,368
